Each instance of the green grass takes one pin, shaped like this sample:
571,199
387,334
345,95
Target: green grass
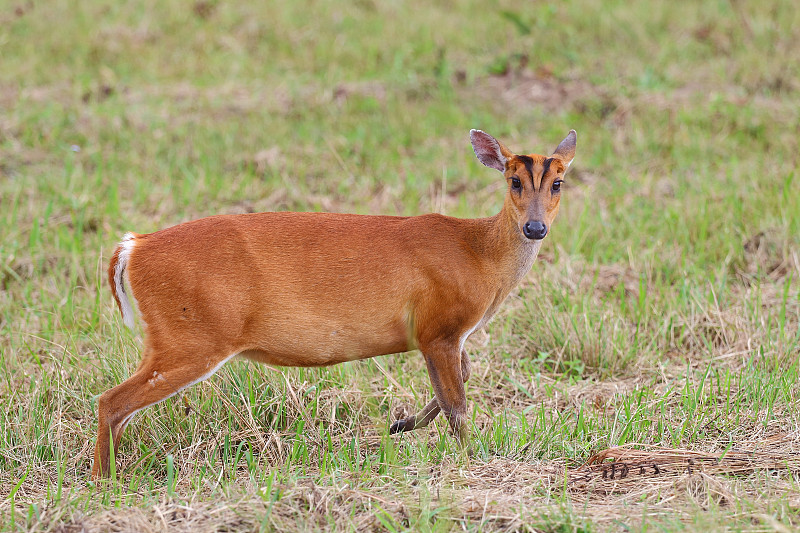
664,309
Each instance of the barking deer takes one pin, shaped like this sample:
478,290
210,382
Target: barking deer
316,289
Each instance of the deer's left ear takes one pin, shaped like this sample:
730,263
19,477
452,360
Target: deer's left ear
566,150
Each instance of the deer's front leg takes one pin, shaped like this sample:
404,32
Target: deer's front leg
430,411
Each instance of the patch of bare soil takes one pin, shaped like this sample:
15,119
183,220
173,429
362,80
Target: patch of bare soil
528,88
606,278
524,87
765,253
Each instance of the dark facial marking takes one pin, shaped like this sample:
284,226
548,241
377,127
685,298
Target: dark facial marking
528,162
546,167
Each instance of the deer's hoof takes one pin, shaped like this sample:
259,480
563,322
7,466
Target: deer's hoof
398,426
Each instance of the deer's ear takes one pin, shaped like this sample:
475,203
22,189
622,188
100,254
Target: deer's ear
566,150
489,150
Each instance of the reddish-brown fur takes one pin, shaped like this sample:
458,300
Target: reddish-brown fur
315,289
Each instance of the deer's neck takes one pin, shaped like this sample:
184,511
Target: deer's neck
509,254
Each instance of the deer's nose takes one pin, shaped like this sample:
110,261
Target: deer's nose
534,229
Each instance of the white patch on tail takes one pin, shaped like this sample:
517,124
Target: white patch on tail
126,246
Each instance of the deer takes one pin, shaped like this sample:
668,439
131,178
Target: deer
318,289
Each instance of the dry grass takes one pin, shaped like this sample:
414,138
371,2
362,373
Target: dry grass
639,484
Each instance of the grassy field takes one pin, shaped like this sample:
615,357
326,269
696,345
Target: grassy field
663,312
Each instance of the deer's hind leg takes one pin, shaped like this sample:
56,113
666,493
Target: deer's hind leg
161,374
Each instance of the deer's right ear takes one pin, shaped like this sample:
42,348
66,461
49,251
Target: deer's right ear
489,150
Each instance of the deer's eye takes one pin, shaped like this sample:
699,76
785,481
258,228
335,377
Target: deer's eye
515,183
557,185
